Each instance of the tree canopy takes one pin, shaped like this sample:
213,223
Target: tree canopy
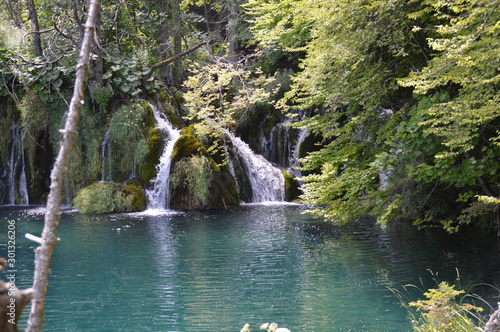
404,94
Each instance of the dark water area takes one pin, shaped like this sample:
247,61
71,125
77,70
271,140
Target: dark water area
217,270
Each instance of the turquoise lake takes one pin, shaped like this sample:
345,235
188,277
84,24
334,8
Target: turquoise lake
217,270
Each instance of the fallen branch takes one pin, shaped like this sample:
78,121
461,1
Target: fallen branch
163,63
12,302
493,323
43,253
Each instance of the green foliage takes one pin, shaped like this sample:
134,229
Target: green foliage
440,312
35,120
448,137
386,151
124,72
467,46
102,96
220,96
354,50
280,24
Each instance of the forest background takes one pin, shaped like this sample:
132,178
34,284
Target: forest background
401,96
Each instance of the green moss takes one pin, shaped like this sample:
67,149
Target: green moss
6,114
186,146
189,130
226,185
148,117
196,184
110,197
155,149
191,179
292,187
136,196
101,198
167,104
130,127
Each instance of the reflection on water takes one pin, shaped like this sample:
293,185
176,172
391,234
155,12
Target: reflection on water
216,270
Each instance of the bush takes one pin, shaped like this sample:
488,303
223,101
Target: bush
441,311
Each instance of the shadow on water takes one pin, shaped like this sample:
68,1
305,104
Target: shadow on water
217,270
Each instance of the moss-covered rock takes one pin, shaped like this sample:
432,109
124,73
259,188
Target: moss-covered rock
186,146
292,187
196,181
169,105
110,197
129,127
135,195
147,170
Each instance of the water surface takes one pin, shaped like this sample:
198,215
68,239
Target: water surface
216,271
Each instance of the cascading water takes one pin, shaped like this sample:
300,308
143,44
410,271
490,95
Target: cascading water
106,158
267,181
17,167
277,148
294,162
158,195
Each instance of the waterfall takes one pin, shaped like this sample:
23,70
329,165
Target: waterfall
106,158
17,167
158,195
277,148
267,181
294,162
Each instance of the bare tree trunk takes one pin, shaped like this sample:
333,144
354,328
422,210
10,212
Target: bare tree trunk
43,253
232,31
97,64
35,27
175,9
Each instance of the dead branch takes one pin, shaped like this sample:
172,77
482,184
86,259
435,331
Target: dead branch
12,302
493,323
163,63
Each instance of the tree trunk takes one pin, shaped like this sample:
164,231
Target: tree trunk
35,27
43,253
97,64
175,9
232,32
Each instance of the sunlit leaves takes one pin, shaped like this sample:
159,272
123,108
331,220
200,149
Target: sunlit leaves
219,95
353,50
359,57
467,61
468,47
